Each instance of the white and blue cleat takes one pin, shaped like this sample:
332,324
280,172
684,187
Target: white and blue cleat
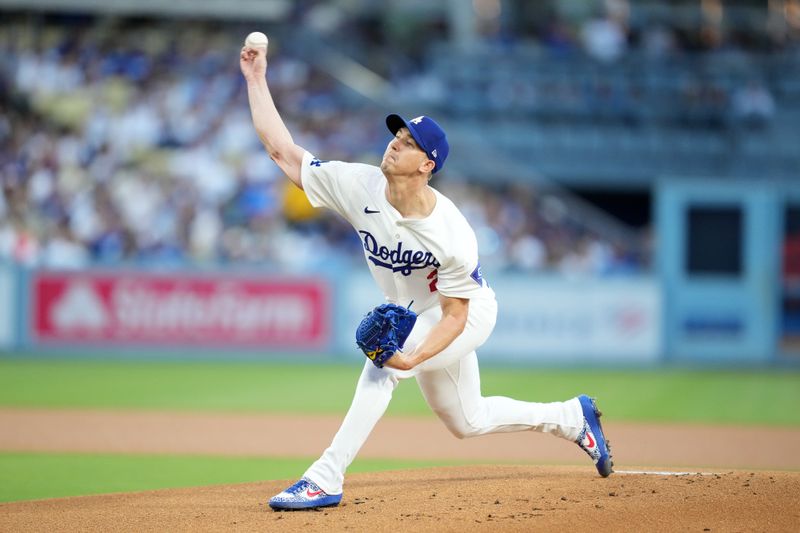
305,494
591,438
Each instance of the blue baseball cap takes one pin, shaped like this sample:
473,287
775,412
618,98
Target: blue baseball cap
428,134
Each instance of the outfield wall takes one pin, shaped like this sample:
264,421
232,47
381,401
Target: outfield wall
541,319
8,318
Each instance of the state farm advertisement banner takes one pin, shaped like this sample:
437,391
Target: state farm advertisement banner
178,310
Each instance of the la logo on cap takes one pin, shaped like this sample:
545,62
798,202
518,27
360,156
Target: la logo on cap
417,120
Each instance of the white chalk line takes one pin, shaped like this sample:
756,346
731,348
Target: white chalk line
662,473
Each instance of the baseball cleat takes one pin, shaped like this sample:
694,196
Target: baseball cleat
305,494
591,438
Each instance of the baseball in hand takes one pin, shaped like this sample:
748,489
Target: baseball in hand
256,39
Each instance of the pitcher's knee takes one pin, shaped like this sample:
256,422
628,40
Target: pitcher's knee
461,429
459,424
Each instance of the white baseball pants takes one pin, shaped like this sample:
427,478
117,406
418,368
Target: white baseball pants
450,383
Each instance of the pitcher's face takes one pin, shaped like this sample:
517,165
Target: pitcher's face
403,155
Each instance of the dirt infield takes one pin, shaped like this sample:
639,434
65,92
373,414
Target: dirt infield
662,445
475,498
735,484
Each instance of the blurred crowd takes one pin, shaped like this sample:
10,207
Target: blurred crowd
690,64
603,70
126,143
130,142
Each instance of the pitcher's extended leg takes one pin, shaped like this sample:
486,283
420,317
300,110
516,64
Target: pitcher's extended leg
372,397
454,394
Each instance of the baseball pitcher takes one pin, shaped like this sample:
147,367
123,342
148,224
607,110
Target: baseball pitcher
419,248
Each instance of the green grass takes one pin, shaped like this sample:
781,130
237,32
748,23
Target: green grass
644,395
29,476
731,397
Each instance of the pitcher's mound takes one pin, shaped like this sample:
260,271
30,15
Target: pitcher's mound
498,498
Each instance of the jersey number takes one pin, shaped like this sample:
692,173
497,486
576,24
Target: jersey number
434,277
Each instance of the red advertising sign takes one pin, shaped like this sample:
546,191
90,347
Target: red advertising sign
174,310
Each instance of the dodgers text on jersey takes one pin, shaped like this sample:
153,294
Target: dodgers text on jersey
396,259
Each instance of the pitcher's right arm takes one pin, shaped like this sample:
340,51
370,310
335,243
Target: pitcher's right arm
271,130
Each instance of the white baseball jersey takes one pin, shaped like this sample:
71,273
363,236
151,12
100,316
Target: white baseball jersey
410,259
414,259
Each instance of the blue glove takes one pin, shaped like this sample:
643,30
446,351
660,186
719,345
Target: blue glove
384,331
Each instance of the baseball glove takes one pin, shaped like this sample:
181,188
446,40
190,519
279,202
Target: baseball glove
384,331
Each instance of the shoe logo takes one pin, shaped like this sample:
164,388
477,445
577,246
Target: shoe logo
591,440
369,211
312,494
